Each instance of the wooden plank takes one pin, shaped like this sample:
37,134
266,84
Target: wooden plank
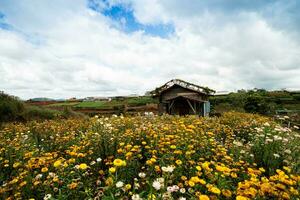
172,103
191,106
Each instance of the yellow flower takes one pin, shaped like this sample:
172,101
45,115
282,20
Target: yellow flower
262,169
191,183
195,179
109,181
201,181
287,169
17,164
203,197
241,198
118,162
23,183
112,170
44,169
57,163
127,186
173,146
227,193
233,175
184,178
151,197
215,190
178,162
80,155
83,166
35,183
72,186
294,191
71,160
198,168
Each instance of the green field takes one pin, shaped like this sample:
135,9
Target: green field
63,104
98,104
132,101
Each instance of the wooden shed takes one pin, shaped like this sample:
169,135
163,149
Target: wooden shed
178,97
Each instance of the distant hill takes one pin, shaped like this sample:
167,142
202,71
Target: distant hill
43,99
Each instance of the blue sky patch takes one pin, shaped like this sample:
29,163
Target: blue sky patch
1,15
3,24
128,23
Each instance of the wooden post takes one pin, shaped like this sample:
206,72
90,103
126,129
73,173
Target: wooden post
191,106
171,105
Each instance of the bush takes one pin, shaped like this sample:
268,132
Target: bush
10,107
69,113
34,113
256,104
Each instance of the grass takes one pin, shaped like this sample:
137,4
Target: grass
99,104
138,101
62,104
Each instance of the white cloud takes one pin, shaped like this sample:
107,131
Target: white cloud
79,53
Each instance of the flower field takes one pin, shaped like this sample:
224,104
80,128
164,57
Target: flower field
237,156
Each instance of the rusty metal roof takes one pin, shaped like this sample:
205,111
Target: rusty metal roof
184,84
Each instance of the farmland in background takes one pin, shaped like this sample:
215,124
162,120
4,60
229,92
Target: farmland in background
260,101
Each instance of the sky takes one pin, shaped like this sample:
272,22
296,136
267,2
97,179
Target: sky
80,48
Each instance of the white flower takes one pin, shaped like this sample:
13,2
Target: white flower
168,169
276,138
167,195
38,176
98,159
161,180
156,184
47,196
276,155
142,175
182,198
175,188
266,124
269,140
119,184
287,151
92,163
136,197
170,189
238,143
182,190
136,186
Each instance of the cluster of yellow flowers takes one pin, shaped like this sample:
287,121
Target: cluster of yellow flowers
150,157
